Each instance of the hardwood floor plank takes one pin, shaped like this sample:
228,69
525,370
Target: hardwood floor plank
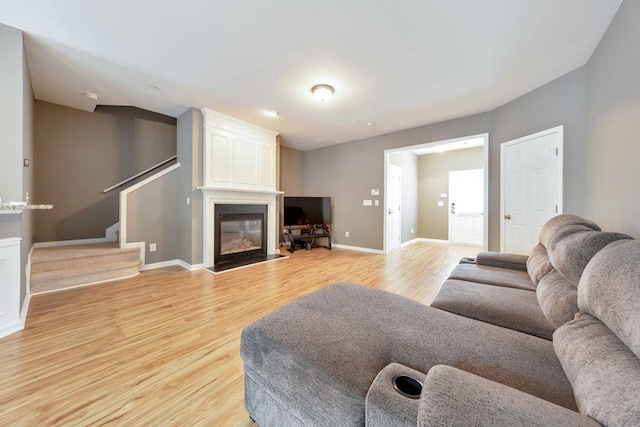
163,348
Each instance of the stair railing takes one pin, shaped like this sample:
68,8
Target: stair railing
144,172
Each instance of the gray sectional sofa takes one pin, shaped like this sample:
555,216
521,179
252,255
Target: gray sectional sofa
333,357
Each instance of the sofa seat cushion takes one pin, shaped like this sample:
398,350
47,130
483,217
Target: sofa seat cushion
604,373
321,353
493,276
515,309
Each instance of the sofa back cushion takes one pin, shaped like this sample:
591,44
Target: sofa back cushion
573,246
538,264
610,291
551,227
558,298
604,373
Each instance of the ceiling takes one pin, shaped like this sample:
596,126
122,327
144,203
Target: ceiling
394,64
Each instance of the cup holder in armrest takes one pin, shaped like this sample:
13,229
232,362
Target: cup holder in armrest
407,386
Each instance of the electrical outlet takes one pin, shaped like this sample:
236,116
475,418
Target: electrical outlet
188,200
412,232
152,247
377,202
346,234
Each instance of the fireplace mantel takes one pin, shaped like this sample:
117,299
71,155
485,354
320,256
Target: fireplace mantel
239,168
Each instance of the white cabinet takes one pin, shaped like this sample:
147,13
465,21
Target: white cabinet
238,155
9,286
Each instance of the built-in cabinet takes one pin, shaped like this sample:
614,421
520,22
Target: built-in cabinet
238,155
9,286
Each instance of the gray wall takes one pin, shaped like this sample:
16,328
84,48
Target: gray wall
153,217
16,141
560,102
408,164
78,154
433,173
348,172
189,155
291,179
613,125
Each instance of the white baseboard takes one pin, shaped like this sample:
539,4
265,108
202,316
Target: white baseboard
424,239
171,263
410,242
190,267
11,328
358,248
25,309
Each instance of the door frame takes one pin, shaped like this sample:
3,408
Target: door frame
449,202
485,160
386,208
559,130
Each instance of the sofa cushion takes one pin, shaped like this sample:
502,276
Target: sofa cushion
552,226
321,353
610,290
572,248
604,373
515,309
538,264
558,299
502,260
452,397
493,276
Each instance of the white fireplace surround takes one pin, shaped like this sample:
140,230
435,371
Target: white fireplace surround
239,168
213,197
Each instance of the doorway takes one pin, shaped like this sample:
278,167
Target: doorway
530,188
419,197
394,202
466,207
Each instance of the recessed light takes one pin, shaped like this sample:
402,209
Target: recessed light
91,95
370,124
322,92
271,113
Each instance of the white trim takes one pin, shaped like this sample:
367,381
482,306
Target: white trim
358,248
11,328
425,239
84,285
409,242
161,264
190,267
25,309
123,204
560,131
140,245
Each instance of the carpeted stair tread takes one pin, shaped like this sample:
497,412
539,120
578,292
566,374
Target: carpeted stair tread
56,253
91,259
61,267
86,279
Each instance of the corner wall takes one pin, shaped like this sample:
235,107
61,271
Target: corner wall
348,172
409,195
613,125
16,141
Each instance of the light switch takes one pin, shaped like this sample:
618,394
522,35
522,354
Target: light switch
440,203
443,195
367,203
375,191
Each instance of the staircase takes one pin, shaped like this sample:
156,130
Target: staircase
61,267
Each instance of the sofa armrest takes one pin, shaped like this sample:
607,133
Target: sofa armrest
497,259
458,398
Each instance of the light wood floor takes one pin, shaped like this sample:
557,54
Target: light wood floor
163,348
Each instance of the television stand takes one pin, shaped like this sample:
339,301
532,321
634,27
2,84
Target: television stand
308,234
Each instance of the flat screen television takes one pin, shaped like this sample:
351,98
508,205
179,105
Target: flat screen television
307,210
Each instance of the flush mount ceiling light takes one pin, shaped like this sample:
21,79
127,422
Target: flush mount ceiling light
322,92
91,95
271,113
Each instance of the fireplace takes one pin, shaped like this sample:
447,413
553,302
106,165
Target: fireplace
240,234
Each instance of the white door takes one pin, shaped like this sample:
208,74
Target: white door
530,188
466,206
394,189
9,286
